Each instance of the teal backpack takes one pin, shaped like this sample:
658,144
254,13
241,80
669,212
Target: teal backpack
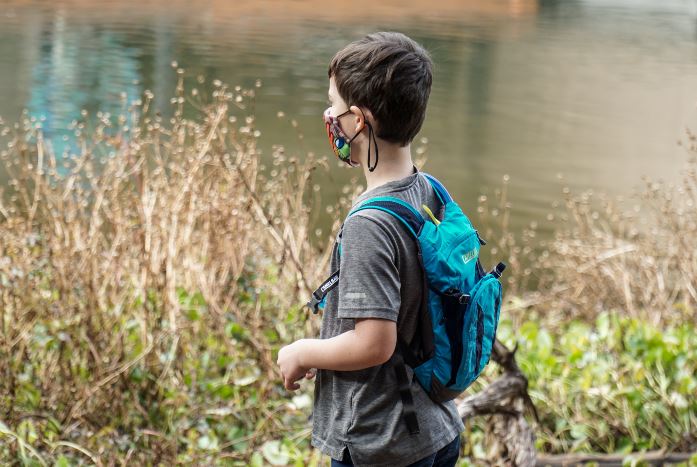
461,310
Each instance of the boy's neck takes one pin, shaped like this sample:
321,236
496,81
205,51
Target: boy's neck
394,163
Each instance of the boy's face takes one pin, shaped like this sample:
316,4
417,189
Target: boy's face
336,103
342,125
345,129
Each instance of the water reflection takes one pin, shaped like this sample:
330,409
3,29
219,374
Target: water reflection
598,90
80,67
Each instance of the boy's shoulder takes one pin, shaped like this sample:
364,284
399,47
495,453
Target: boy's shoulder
368,230
414,190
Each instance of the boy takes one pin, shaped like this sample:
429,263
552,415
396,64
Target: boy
378,91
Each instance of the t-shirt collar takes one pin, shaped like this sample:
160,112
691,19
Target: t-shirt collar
391,186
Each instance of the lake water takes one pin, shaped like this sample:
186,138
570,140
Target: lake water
599,90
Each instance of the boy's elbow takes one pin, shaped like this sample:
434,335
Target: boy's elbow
386,349
384,355
379,340
376,355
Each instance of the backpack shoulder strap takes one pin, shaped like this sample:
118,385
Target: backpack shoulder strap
400,209
441,192
414,221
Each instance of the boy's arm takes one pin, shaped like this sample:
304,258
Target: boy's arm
368,294
370,343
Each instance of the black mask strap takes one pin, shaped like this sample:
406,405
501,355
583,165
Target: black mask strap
372,135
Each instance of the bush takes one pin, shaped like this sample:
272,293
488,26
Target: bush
618,384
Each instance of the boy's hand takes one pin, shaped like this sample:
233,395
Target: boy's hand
289,361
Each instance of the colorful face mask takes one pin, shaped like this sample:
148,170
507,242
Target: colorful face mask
341,145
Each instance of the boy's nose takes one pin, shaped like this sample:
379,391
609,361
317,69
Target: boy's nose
327,115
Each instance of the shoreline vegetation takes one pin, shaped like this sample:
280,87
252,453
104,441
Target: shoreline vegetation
149,277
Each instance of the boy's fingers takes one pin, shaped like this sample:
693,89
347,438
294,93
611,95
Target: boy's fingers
289,385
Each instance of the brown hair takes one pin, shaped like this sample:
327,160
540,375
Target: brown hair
389,74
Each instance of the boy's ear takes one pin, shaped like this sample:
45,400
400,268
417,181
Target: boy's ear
362,115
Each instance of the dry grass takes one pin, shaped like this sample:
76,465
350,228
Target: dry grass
127,257
605,256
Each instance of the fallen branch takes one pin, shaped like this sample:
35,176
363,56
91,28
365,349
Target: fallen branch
506,399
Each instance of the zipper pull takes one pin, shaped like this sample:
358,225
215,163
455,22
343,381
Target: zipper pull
428,211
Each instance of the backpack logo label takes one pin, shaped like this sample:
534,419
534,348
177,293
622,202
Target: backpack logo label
330,283
469,256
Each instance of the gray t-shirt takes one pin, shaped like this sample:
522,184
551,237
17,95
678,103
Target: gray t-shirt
380,277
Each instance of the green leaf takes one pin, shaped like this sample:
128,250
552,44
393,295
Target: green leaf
257,460
235,331
625,446
275,453
302,401
245,380
207,443
225,391
579,432
544,343
529,330
247,373
271,335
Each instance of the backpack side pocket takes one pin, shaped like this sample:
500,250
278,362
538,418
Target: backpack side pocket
483,310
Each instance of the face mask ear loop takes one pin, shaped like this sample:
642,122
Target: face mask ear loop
372,136
370,133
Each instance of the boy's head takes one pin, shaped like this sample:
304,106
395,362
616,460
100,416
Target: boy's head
388,74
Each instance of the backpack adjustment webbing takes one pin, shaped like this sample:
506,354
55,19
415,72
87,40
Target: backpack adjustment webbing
408,409
322,291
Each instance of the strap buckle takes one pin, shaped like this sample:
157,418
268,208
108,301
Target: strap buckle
498,270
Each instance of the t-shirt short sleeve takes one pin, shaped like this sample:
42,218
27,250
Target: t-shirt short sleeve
369,285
